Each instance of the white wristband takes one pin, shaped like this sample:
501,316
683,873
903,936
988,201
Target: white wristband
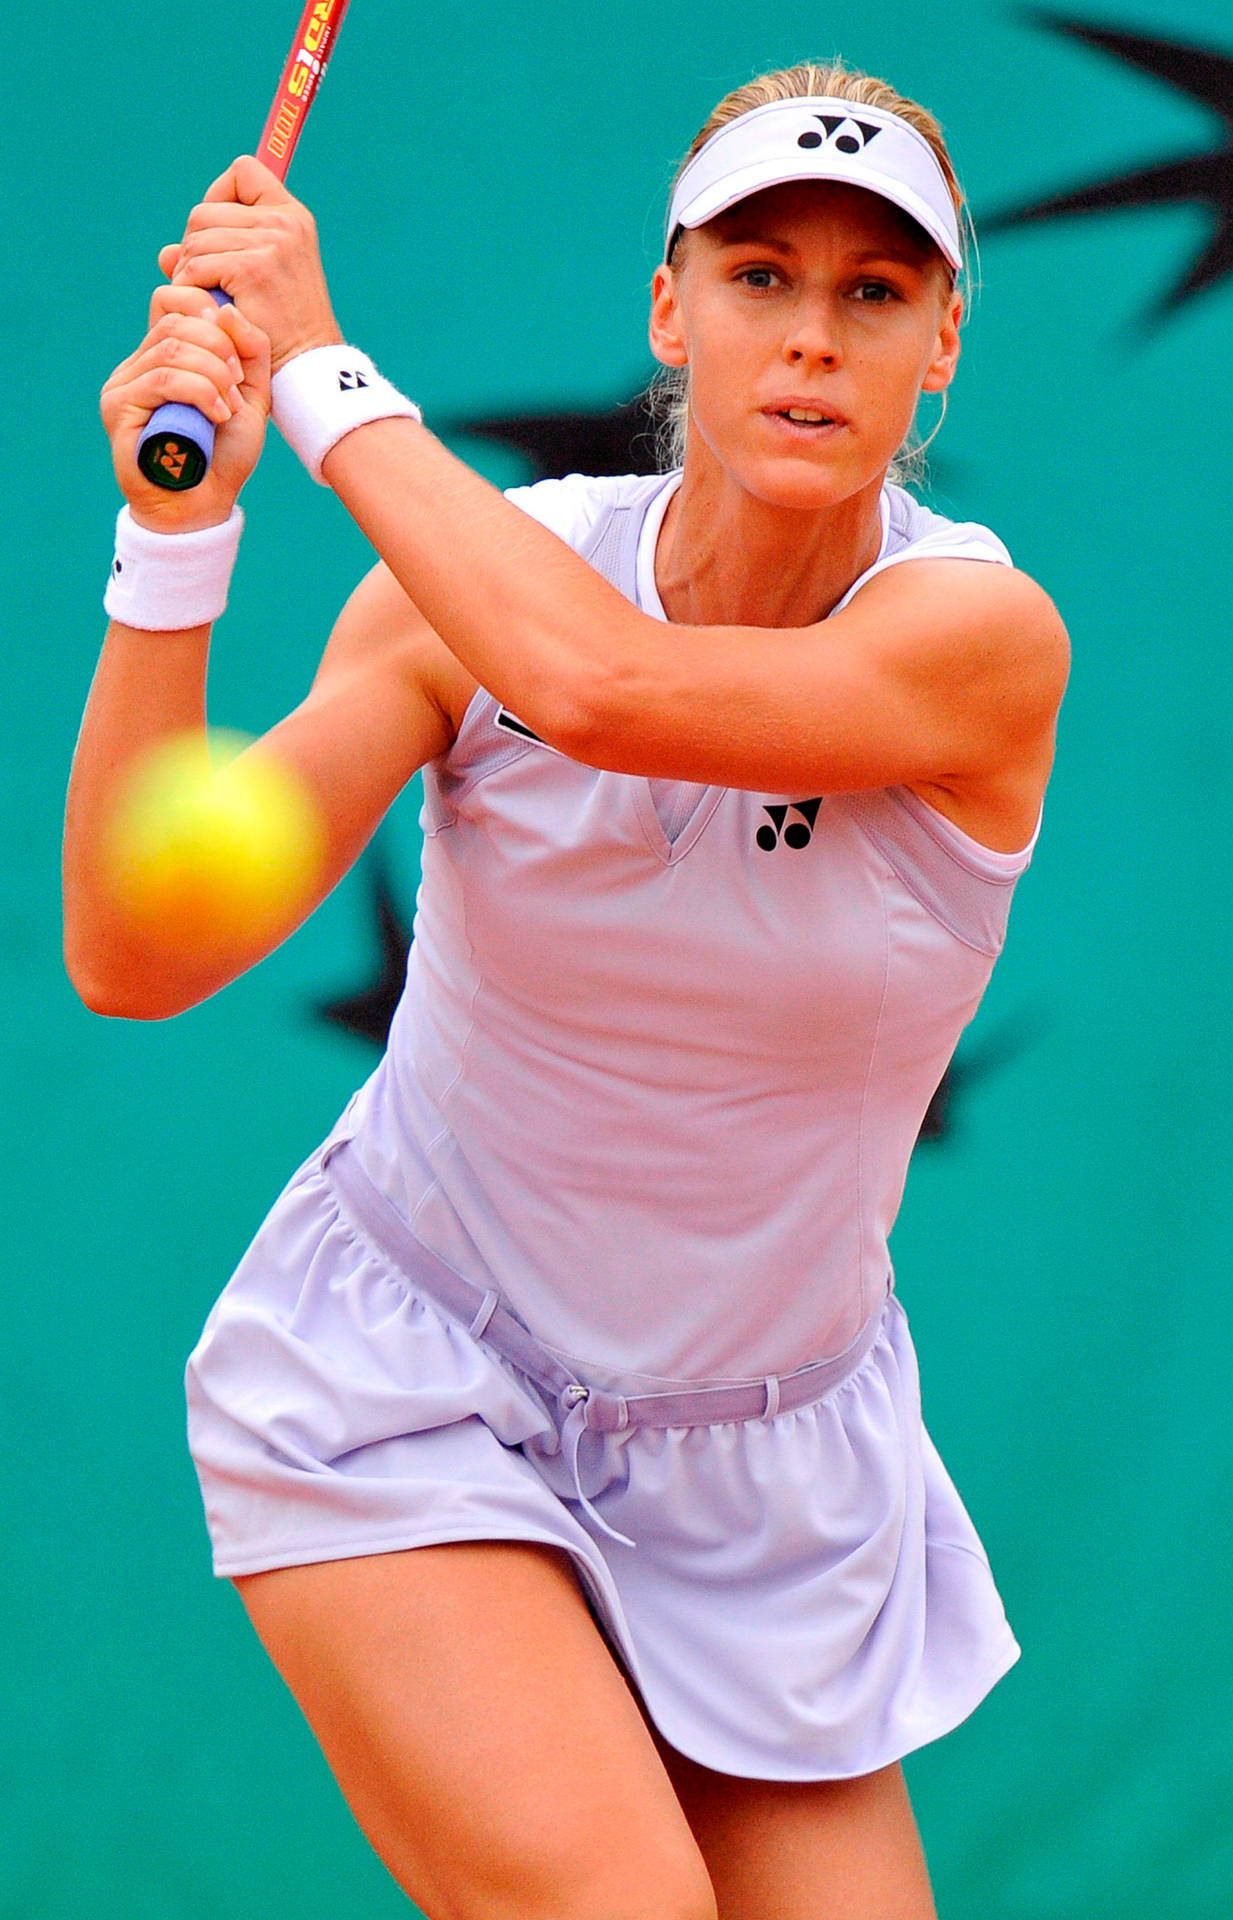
164,581
326,393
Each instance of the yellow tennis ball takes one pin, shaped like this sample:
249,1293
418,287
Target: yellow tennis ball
209,847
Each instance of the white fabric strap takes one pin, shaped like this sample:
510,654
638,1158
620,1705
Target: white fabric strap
166,581
326,393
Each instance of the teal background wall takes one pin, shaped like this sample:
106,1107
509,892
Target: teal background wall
489,185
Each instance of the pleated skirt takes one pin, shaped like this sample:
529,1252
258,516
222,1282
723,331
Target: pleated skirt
806,1599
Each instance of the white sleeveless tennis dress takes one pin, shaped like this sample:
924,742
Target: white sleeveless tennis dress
597,1257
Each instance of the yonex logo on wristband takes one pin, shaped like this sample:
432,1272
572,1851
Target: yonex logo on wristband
797,833
847,142
321,395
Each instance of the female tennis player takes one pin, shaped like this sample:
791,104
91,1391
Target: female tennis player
561,1427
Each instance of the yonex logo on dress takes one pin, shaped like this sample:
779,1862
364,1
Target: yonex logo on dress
797,833
348,382
855,136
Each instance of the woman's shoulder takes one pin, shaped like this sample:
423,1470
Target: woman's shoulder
913,526
571,506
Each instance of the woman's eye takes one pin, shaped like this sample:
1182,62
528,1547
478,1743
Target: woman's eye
875,293
761,274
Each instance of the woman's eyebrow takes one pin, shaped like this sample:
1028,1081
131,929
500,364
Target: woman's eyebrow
906,255
752,238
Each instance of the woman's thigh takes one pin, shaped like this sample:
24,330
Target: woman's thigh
482,1734
812,1850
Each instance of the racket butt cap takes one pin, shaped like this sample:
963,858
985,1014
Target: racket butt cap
176,447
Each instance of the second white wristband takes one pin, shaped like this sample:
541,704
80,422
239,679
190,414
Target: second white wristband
324,394
163,582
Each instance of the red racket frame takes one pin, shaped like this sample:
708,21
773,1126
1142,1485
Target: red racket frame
177,444
310,50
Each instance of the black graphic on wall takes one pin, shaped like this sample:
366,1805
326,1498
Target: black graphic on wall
1205,179
977,1062
618,439
369,1010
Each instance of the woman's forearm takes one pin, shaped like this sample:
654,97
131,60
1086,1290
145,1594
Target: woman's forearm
537,626
147,685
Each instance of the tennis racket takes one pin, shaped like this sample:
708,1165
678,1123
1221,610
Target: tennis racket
177,445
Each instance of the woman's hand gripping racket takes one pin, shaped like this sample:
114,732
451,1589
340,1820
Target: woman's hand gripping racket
177,445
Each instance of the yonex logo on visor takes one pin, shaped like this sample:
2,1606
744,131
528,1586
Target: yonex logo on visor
818,139
847,142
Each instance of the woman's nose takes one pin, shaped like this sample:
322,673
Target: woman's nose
813,334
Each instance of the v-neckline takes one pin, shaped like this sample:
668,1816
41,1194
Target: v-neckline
670,851
648,599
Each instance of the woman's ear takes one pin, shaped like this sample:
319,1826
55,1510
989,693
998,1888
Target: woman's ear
666,331
945,358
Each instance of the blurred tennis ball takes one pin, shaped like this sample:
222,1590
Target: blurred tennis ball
209,847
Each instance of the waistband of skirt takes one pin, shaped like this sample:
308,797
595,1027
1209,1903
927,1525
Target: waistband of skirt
483,1313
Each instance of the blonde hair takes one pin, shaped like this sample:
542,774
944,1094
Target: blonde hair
667,397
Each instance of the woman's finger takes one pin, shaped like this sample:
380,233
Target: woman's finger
197,347
180,299
249,183
224,213
160,385
223,270
213,354
226,330
216,240
248,341
188,355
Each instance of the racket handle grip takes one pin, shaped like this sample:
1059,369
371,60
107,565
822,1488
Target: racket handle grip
177,444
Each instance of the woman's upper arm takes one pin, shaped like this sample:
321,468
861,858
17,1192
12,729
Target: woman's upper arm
937,669
386,698
384,701
382,636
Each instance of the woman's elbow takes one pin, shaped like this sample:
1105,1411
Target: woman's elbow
591,716
114,1003
119,996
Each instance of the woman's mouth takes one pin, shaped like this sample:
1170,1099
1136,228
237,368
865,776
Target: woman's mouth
809,423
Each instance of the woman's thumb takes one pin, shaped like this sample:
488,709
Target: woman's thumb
168,258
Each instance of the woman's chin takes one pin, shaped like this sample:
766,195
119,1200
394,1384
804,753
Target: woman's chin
801,482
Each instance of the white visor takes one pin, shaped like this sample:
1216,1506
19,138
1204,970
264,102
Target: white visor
818,139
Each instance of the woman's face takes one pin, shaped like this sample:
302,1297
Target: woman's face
813,293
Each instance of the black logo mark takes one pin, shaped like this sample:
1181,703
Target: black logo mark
1202,74
508,724
848,141
797,833
348,382
506,720
172,458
